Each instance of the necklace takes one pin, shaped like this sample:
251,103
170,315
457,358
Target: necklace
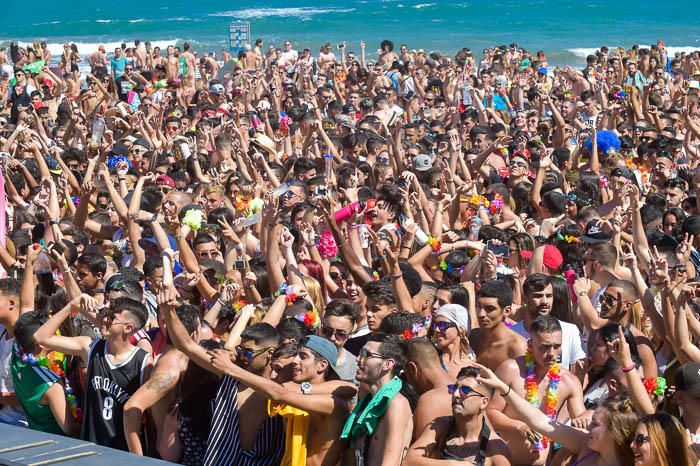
51,362
550,398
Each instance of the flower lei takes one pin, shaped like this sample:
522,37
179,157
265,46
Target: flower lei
568,238
496,204
620,94
434,243
238,305
327,246
241,203
51,362
288,292
478,201
655,386
412,332
523,153
310,318
194,219
550,399
604,182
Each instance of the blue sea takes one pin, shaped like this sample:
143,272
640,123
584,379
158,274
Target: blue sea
567,30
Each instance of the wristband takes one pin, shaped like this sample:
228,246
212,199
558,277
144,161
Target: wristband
396,277
582,293
507,393
629,369
53,222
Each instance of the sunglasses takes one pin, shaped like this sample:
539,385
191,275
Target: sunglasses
248,353
464,391
365,354
334,275
608,300
517,164
443,326
328,332
640,439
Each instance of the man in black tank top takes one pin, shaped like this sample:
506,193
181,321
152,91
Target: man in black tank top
116,368
466,435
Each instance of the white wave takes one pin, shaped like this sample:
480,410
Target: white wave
46,22
672,50
304,13
582,52
424,5
104,20
140,20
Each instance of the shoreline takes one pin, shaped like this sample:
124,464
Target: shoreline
574,57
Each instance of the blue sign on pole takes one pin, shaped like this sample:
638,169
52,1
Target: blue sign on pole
239,35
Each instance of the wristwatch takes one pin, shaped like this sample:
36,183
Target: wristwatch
306,388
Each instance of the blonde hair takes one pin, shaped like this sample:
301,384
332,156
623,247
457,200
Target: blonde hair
315,294
621,423
668,440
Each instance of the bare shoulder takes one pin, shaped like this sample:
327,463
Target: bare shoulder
517,343
508,370
571,381
399,405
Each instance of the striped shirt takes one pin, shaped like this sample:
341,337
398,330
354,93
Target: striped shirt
224,443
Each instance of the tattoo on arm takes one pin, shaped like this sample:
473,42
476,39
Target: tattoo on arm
160,382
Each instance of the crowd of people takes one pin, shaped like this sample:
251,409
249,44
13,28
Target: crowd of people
283,258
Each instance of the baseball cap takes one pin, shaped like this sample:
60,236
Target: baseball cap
552,257
324,348
623,172
349,109
422,162
525,64
119,149
143,242
53,165
216,88
164,180
143,143
594,233
687,378
455,313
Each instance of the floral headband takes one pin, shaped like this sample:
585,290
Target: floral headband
656,386
580,201
568,238
411,333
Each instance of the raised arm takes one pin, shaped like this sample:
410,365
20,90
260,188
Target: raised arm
324,404
76,346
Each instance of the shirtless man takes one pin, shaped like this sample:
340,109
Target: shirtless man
140,54
493,342
190,62
386,441
544,347
325,402
239,410
98,60
463,434
425,372
157,58
171,63
158,393
326,57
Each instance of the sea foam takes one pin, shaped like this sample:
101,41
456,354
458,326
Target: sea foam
303,13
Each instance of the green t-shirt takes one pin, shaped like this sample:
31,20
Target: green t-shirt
30,383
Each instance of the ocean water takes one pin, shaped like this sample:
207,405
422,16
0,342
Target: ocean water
567,30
